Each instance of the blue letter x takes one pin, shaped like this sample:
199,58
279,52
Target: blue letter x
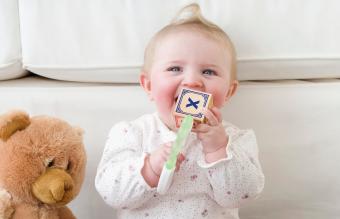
192,103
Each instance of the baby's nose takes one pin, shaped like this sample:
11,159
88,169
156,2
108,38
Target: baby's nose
192,80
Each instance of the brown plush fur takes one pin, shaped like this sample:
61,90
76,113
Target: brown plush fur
42,166
13,121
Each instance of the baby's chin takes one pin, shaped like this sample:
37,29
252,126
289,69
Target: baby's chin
172,124
168,121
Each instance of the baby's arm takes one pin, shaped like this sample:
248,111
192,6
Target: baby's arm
119,180
239,177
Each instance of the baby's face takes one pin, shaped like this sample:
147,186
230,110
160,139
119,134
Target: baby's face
187,59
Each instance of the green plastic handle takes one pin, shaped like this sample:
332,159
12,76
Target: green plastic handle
181,137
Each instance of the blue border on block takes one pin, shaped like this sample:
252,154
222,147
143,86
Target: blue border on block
185,91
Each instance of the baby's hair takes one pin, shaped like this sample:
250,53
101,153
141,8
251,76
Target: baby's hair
190,17
191,14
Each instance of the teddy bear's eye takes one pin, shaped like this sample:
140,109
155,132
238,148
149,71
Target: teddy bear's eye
69,166
50,163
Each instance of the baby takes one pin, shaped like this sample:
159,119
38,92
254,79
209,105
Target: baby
219,170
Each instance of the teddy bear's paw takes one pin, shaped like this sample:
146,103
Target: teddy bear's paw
6,208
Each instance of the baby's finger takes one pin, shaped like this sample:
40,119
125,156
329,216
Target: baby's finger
177,167
166,151
201,128
212,120
217,113
180,159
167,147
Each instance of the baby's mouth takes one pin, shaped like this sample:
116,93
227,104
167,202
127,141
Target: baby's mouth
175,102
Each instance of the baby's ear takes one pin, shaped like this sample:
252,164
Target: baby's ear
145,82
11,122
232,89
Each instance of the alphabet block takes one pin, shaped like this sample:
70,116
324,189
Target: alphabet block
192,102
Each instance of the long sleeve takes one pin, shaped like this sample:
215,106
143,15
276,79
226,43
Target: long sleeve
119,180
239,177
198,189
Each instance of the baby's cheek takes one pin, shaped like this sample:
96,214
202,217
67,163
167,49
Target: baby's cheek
219,97
163,102
218,101
167,94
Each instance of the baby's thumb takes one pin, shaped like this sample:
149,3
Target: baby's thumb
180,159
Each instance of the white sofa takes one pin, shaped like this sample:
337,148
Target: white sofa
289,68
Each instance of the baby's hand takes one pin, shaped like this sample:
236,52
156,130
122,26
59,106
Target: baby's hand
155,161
159,156
212,134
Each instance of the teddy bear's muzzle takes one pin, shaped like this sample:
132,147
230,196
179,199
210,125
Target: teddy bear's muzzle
55,186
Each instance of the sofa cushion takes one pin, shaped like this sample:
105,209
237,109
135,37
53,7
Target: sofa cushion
10,46
296,124
104,42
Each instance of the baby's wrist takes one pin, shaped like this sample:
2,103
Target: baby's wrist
218,145
152,169
215,155
150,177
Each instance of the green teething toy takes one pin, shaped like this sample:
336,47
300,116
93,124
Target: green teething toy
170,165
177,146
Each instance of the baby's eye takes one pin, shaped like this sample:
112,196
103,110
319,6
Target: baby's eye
174,69
209,72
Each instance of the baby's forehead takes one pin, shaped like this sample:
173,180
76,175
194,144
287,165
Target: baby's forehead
219,38
181,34
189,42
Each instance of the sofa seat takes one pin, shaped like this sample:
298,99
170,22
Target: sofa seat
296,123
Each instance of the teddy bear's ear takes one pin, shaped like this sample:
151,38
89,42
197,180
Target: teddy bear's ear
79,130
12,122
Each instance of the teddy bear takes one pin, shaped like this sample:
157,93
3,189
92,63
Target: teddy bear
42,166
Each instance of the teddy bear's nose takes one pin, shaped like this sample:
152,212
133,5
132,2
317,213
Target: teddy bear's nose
54,186
68,186
59,188
57,192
